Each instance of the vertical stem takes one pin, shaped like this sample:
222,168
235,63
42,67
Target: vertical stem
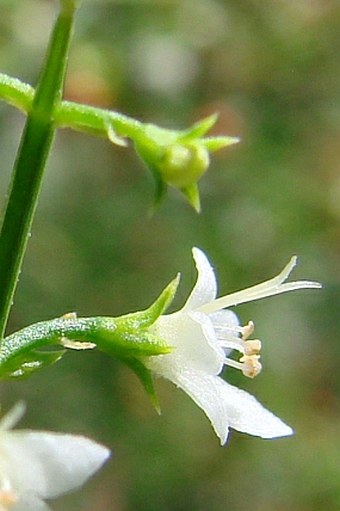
29,166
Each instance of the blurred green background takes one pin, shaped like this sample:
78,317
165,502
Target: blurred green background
271,68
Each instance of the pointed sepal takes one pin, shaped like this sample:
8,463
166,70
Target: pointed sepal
146,379
213,144
199,129
146,318
192,194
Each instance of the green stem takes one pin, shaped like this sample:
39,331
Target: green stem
94,120
16,93
30,163
117,337
67,114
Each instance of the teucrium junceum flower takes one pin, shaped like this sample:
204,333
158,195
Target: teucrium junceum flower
202,335
39,465
189,347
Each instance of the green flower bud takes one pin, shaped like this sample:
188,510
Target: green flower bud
179,158
182,165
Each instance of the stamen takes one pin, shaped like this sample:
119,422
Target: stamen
232,343
252,347
248,364
227,340
247,330
251,365
233,363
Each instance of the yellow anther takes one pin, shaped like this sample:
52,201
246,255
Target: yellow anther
251,366
247,330
252,347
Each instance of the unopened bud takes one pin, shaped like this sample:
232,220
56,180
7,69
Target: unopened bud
183,165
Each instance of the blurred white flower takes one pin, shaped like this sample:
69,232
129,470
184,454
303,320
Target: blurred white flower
39,465
203,334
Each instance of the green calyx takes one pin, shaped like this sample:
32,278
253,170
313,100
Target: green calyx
179,158
127,338
183,165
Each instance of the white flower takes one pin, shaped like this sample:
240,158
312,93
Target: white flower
203,334
39,465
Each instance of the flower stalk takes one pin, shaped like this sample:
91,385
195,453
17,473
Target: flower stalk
175,158
128,338
22,352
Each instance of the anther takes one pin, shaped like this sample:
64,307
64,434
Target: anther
247,330
249,362
252,347
251,366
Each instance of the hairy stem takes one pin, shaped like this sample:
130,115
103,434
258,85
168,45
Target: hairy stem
117,337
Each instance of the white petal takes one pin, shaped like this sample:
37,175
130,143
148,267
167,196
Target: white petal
211,362
193,338
225,323
200,387
205,288
225,319
247,415
227,406
48,464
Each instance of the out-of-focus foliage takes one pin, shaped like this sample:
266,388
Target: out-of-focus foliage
271,68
